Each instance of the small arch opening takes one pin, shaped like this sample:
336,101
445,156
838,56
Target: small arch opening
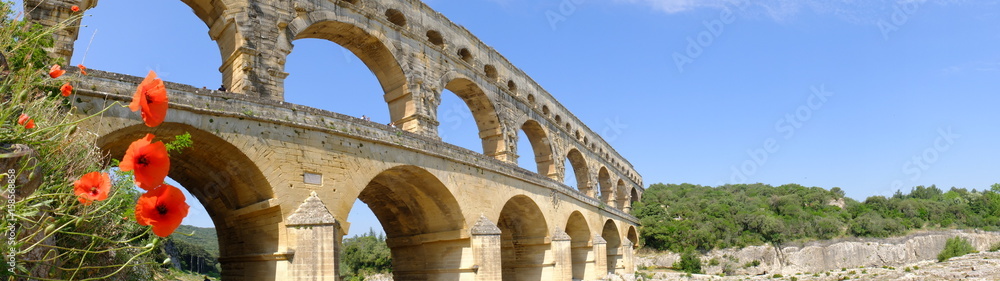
396,17
491,72
465,55
512,87
545,110
435,37
531,100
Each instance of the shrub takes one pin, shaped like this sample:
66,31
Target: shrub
955,247
995,247
777,276
727,269
689,263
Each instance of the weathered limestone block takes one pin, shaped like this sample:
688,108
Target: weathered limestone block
317,241
486,250
562,245
600,256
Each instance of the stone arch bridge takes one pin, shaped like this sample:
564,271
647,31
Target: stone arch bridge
279,179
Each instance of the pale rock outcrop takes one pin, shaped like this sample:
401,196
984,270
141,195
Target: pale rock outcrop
822,256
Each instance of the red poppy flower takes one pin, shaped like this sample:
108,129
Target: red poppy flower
56,71
75,8
163,208
149,161
91,187
26,121
83,69
66,89
151,97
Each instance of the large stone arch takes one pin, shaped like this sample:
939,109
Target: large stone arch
209,11
581,249
632,236
581,170
633,197
226,182
611,234
483,111
51,13
523,240
541,146
370,47
421,219
605,185
621,195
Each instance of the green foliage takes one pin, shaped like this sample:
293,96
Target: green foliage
24,49
995,247
202,237
193,258
689,263
777,276
955,247
677,217
55,236
179,143
365,255
196,249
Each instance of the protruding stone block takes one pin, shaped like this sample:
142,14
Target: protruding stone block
562,247
628,256
317,241
486,250
600,257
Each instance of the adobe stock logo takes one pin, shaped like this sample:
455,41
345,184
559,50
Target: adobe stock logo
921,162
786,127
713,29
566,9
901,13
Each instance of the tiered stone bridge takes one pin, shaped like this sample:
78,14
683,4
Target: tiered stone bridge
279,179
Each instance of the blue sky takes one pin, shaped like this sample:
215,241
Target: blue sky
869,96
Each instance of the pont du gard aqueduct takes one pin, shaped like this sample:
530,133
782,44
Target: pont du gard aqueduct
279,179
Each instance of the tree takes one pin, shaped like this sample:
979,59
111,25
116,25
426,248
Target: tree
837,192
365,255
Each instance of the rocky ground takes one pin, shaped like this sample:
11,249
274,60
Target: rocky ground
979,266
826,255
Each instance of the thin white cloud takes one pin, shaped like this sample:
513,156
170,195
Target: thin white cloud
854,11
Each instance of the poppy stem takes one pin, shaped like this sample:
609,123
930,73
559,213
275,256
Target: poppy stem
72,123
82,259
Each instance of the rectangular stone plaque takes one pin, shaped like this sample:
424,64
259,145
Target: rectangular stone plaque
311,178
